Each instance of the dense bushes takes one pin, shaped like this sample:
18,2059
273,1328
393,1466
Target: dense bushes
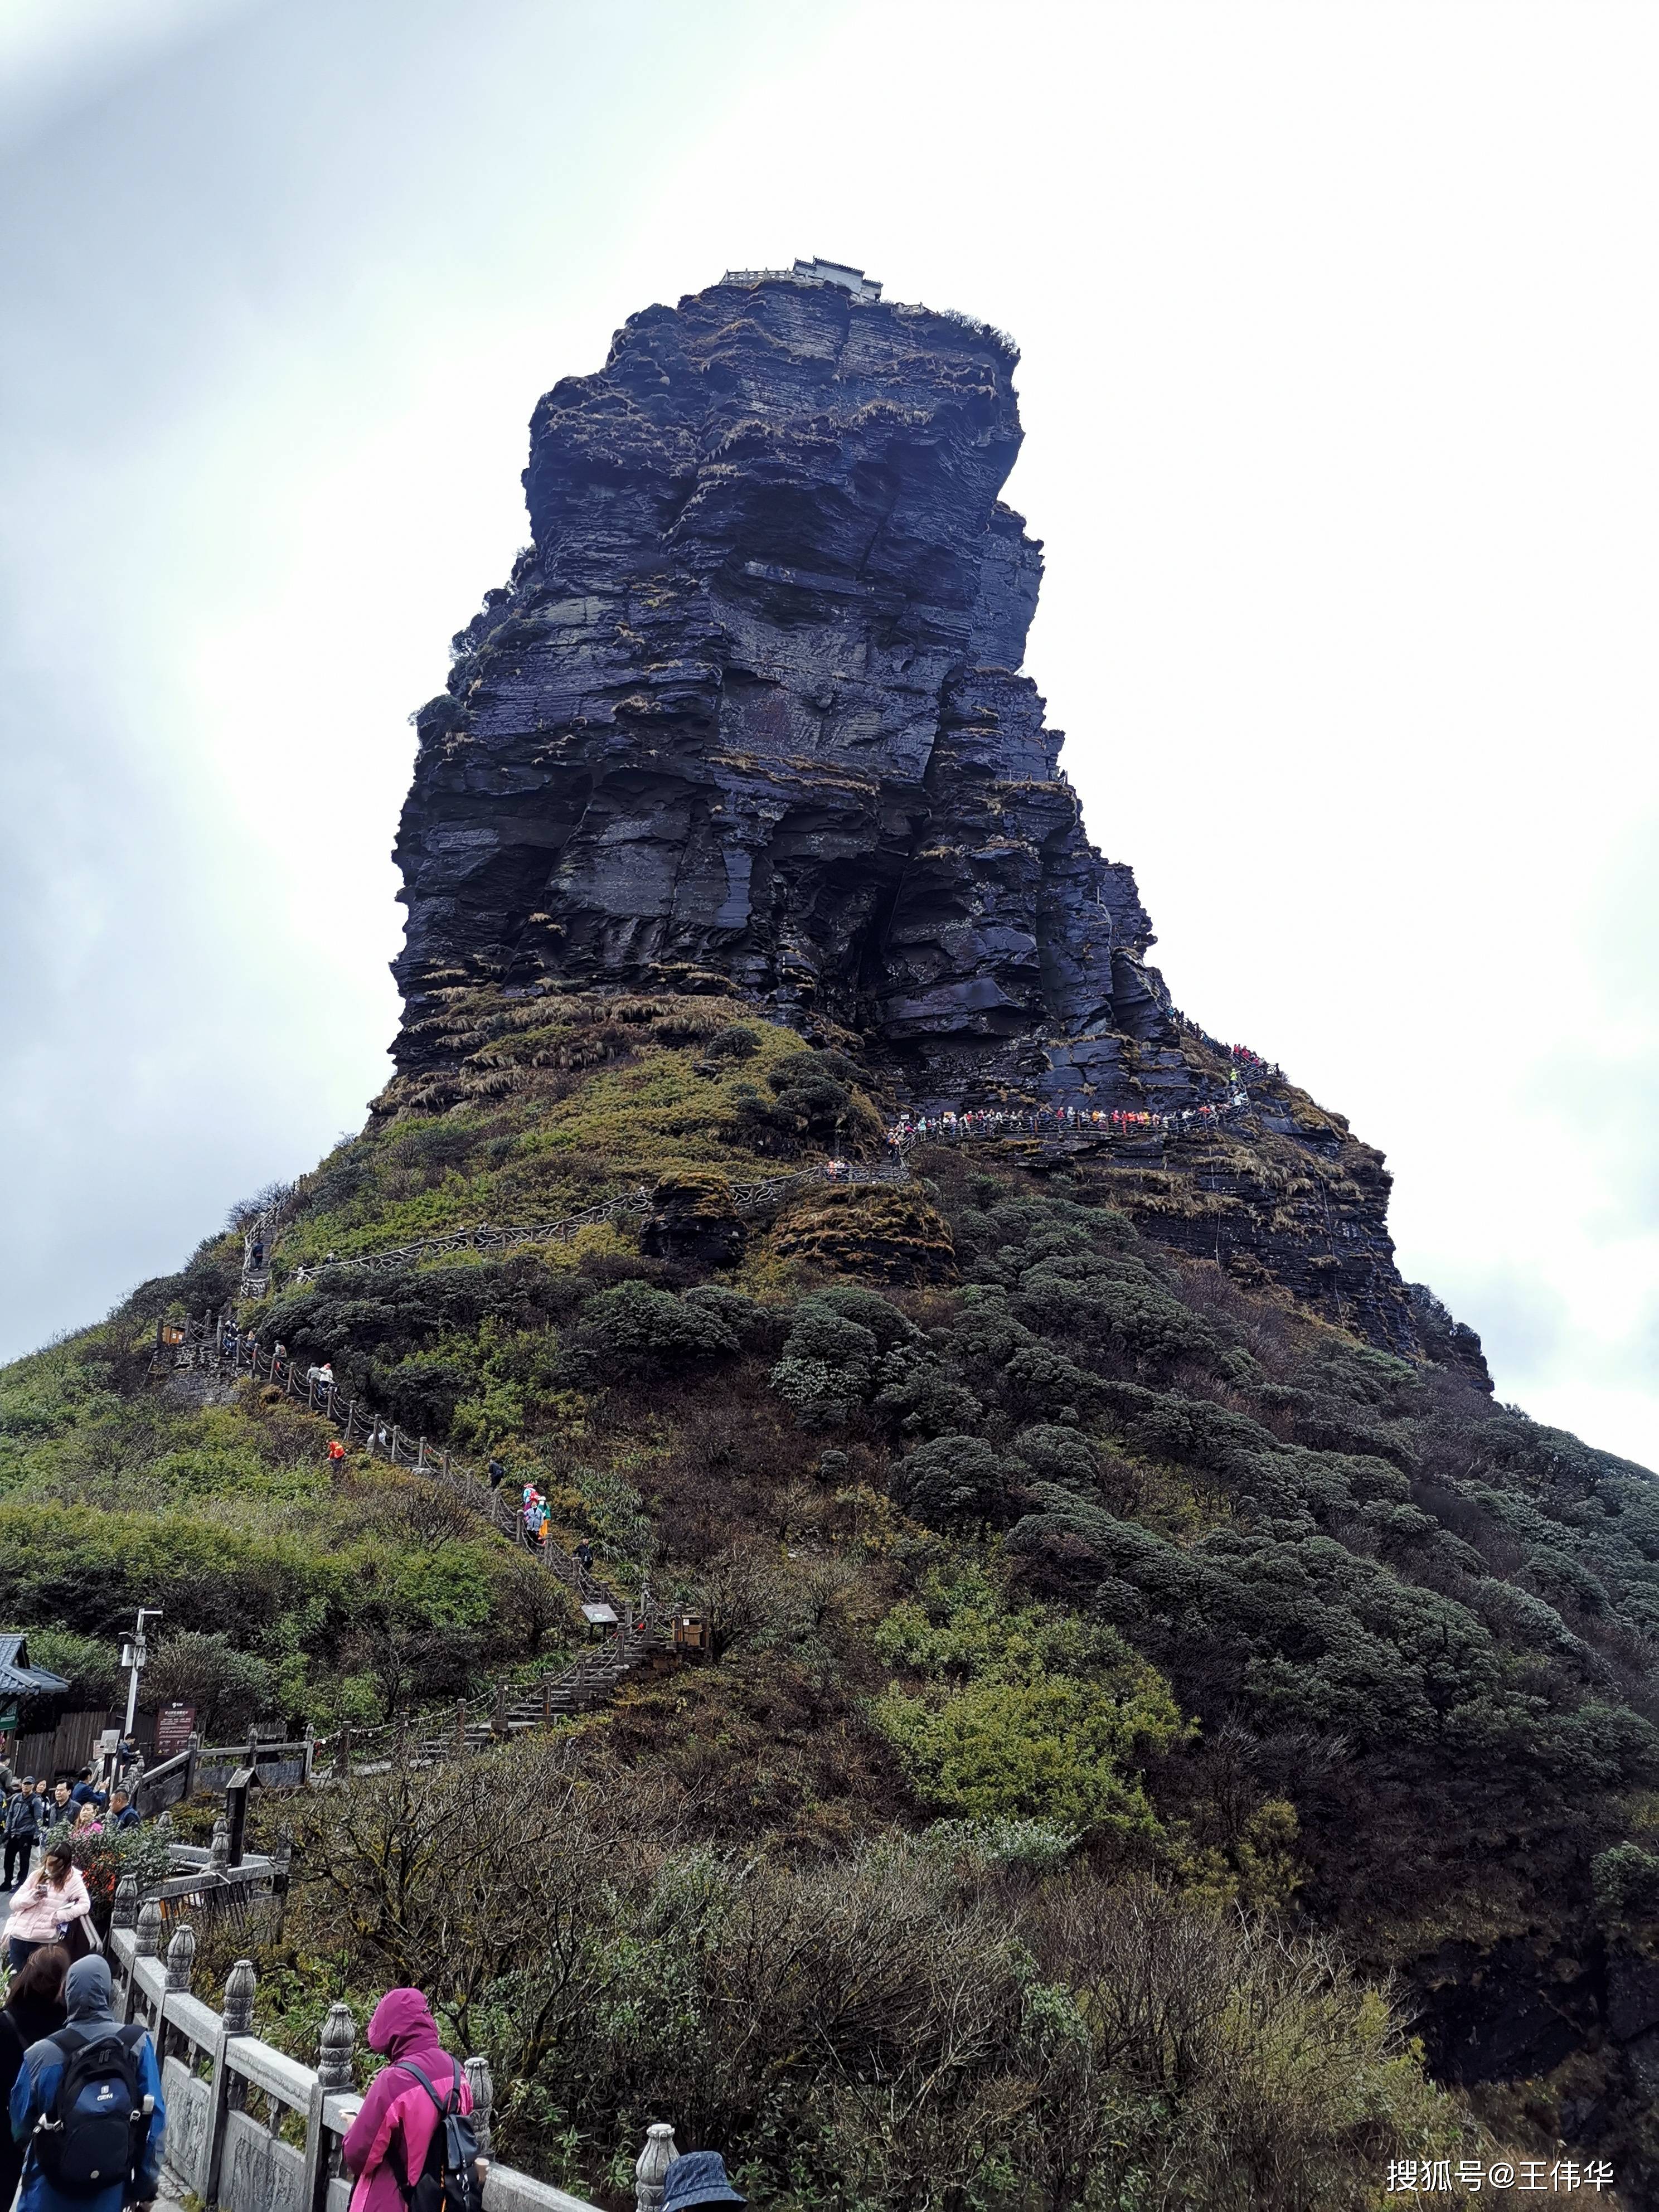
1026,1715
816,1100
285,1590
905,2026
634,1330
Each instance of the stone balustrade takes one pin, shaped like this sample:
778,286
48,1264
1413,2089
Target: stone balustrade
251,2129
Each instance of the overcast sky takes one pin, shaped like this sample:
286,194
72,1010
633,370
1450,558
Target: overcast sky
1339,324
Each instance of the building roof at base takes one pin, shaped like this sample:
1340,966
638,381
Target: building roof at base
18,1678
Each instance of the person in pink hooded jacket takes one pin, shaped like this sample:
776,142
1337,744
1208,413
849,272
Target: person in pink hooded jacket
386,2145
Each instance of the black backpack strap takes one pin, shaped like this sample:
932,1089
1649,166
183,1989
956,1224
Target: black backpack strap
408,2066
129,2034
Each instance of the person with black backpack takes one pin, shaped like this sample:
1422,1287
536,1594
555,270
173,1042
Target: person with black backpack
33,2008
411,2146
86,2107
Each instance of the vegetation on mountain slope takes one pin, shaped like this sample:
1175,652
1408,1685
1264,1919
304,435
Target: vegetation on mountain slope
1088,1629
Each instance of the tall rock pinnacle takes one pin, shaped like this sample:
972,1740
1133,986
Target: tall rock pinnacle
750,705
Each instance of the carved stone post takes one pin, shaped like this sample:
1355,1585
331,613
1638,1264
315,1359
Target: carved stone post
126,1911
181,1959
334,2049
501,1725
226,2091
241,1985
219,1856
651,2167
333,2079
147,1944
483,2100
149,1928
460,1730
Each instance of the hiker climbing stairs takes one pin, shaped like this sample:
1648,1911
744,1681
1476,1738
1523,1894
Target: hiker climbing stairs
639,1636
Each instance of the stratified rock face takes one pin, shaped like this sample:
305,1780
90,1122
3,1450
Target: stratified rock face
750,706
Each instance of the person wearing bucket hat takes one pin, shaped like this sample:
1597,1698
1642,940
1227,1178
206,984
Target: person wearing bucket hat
698,2176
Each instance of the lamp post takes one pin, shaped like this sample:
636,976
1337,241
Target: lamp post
133,1656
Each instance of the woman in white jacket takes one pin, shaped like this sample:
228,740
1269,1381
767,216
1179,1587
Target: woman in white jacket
46,1906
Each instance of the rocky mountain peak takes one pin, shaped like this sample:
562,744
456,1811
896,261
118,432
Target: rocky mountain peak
748,717
750,709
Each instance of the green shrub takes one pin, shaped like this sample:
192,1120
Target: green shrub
1060,1455
1050,1749
736,1042
89,1664
952,1482
633,1328
1625,1882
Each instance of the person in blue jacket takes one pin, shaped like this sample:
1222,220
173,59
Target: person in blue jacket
86,1995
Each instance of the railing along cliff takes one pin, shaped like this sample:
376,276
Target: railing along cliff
486,1237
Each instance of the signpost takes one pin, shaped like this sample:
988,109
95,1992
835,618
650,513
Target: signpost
175,1726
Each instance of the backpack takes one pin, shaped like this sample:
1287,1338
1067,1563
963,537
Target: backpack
448,2182
93,2137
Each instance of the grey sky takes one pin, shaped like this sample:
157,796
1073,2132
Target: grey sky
1338,355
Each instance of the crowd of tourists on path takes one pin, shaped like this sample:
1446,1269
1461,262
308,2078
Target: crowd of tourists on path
81,2094
953,1126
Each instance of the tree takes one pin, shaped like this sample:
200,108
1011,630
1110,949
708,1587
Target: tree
227,1687
87,1663
955,1478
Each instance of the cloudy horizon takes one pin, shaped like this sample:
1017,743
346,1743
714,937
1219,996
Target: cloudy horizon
1336,377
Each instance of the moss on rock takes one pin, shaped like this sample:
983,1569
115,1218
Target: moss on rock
889,1236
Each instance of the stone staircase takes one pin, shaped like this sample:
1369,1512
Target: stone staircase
643,1639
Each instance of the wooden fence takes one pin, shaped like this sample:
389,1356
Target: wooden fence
209,1766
